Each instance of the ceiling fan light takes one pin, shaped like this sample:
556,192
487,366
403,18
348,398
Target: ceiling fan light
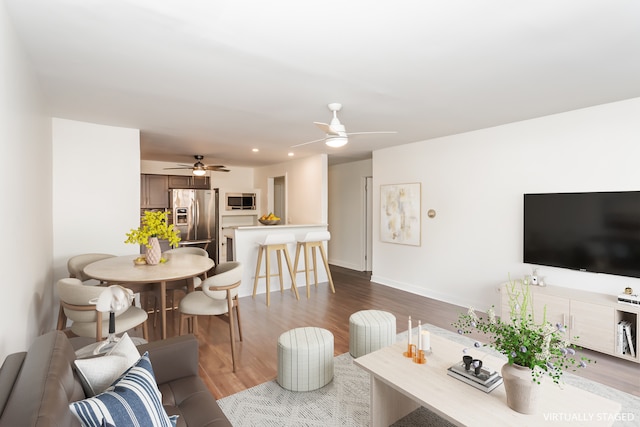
337,141
199,172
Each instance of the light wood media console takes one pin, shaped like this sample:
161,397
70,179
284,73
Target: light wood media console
591,319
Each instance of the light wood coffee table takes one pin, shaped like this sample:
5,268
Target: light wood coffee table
399,386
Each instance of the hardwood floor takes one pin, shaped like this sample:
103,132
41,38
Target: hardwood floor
262,325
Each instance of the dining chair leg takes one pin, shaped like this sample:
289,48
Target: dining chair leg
231,329
145,330
62,319
237,304
183,318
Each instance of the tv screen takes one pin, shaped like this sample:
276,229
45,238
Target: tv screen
597,232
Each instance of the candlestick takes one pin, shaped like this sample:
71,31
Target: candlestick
419,357
410,347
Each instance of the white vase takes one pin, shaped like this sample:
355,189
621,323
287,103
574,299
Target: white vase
153,253
522,391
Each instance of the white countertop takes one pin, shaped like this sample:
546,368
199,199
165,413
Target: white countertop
260,227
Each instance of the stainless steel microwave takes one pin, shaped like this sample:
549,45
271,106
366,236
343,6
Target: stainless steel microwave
240,201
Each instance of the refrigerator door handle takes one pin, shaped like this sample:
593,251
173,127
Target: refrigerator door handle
196,215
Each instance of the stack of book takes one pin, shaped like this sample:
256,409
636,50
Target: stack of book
486,380
625,340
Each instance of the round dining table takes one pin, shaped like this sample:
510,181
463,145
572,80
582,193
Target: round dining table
121,270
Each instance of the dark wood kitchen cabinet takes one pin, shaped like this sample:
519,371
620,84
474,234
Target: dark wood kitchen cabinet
154,191
189,181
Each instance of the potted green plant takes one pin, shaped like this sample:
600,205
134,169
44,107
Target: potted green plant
533,350
154,226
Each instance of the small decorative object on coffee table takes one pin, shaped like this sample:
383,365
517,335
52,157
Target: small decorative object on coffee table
471,372
416,352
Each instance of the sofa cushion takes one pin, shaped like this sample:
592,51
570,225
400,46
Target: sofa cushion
134,399
98,373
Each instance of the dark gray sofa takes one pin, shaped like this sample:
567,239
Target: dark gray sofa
37,386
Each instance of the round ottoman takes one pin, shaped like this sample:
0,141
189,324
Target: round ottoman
305,359
370,330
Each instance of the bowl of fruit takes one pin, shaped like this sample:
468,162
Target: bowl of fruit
269,219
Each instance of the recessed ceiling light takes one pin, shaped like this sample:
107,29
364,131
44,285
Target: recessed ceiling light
290,154
255,150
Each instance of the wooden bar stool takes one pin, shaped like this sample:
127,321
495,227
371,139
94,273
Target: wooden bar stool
313,240
275,242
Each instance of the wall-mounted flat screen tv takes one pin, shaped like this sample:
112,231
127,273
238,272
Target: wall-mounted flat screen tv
597,232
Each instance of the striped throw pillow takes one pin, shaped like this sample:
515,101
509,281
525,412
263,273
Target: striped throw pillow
132,400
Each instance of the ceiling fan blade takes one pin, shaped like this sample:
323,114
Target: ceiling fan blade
216,168
308,142
369,133
184,167
326,128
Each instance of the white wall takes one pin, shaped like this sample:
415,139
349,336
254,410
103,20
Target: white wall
346,214
25,184
96,190
306,181
475,182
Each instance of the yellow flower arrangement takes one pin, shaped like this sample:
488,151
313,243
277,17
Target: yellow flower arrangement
154,224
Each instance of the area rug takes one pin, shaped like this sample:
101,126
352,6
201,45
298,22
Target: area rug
345,400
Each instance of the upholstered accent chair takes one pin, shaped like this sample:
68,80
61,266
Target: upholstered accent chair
218,297
79,305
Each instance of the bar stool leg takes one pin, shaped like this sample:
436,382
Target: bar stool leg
267,274
255,281
314,246
293,277
279,254
326,266
306,268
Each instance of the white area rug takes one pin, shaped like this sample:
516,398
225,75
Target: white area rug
345,400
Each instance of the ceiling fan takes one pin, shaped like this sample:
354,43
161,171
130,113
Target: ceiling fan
336,134
200,168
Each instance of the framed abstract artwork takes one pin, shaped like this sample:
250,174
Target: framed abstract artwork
400,213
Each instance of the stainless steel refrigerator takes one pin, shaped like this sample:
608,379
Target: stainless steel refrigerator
195,214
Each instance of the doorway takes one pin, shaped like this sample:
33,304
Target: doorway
279,191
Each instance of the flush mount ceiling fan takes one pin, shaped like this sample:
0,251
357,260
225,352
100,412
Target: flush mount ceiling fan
336,134
200,168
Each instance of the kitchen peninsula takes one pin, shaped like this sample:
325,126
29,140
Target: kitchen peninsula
246,240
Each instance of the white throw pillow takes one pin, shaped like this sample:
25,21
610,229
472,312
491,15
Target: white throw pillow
98,373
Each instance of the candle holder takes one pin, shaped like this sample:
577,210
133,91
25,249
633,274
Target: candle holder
467,360
411,350
419,357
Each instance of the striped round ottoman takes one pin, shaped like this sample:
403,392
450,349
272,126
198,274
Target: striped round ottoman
370,330
305,359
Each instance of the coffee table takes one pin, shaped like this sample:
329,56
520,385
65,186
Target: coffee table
399,386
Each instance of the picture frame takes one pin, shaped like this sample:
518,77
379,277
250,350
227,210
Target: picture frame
400,213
